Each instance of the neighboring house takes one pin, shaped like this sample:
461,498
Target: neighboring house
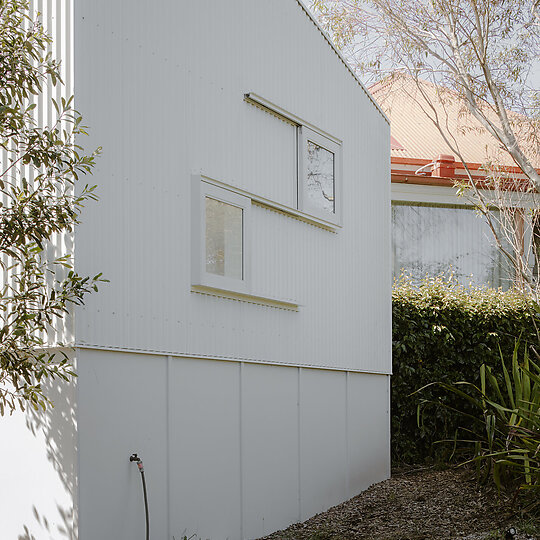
243,345
434,230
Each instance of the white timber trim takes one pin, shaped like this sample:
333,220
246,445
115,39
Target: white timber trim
202,281
306,135
255,99
289,305
200,276
273,205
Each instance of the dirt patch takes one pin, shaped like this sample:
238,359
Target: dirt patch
416,505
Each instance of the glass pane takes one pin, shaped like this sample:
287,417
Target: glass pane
223,239
320,178
431,240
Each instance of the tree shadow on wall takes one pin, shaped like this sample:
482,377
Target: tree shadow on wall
58,425
63,529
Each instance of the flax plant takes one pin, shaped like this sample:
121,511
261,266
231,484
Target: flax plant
506,433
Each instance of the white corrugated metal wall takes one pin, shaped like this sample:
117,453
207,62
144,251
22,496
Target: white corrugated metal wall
165,99
236,448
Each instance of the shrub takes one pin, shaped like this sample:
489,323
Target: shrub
444,332
505,435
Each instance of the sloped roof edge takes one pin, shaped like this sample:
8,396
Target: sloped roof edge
340,56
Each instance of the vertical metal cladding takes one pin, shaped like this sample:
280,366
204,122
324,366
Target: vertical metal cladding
168,102
163,91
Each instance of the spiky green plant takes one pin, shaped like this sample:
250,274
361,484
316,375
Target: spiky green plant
505,436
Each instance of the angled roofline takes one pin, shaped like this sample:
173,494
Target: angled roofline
340,56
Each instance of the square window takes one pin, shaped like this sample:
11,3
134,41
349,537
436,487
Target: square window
319,175
220,220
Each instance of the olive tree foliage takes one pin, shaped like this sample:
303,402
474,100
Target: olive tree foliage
39,166
480,53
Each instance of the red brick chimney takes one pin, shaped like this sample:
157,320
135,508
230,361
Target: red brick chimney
444,166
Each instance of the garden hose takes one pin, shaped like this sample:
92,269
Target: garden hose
138,460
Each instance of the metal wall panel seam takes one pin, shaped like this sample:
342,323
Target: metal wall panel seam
240,458
168,444
347,457
196,356
299,446
388,416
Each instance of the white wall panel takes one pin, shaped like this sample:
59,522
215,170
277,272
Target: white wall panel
270,445
323,440
169,101
231,450
38,498
121,410
204,474
368,400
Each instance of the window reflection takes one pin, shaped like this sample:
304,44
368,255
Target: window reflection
320,177
223,239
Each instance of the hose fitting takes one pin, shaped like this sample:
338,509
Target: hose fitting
138,460
135,458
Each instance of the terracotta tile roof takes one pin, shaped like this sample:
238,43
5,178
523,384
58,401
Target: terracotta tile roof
415,136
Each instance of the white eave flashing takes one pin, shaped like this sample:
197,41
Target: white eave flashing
340,56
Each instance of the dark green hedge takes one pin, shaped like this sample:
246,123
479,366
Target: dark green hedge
444,332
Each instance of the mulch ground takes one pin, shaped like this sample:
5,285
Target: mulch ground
417,505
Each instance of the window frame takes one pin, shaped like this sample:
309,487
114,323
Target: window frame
306,134
200,277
